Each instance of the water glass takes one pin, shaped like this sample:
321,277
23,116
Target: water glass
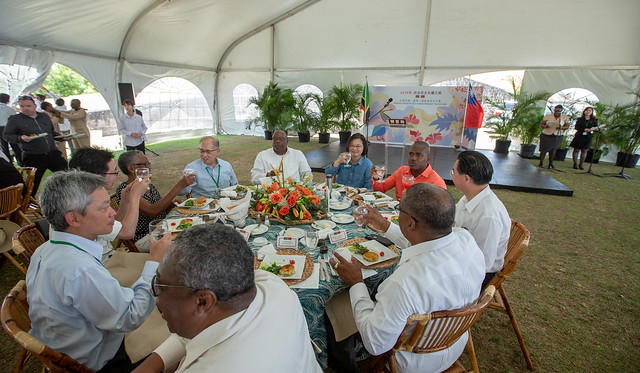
360,217
347,156
158,228
188,172
141,173
311,242
407,181
381,170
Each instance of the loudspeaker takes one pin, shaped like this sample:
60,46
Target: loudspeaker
126,92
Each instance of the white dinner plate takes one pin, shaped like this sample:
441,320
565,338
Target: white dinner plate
299,261
295,232
377,195
341,205
322,224
255,230
203,207
384,253
175,222
342,218
43,134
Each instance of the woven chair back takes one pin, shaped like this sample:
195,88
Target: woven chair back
10,200
518,243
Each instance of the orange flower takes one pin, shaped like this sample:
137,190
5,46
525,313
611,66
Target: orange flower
273,187
306,192
284,210
315,200
298,187
284,191
259,207
306,215
291,200
276,198
295,194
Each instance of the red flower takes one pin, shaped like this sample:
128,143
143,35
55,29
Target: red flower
306,192
284,210
259,207
315,200
276,198
273,187
295,194
284,192
412,119
415,136
433,138
306,215
291,201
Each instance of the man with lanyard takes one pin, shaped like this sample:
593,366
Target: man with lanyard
34,132
75,305
281,158
212,173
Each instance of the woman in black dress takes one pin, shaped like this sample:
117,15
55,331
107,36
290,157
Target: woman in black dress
585,126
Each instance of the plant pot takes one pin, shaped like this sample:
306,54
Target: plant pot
587,159
323,138
502,146
268,135
627,160
561,154
527,150
344,136
304,137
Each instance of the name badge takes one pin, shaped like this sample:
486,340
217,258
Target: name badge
338,236
287,242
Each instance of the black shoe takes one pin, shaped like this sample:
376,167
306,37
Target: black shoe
575,166
581,167
541,165
551,167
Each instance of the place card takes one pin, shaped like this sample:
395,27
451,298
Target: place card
285,242
338,236
244,234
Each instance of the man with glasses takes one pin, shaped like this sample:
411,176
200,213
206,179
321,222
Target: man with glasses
100,162
132,127
290,162
34,132
76,307
442,269
480,211
225,316
212,173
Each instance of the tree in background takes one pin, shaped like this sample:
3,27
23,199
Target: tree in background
64,82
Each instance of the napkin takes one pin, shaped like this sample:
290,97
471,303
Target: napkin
335,195
323,233
266,250
228,193
236,210
344,252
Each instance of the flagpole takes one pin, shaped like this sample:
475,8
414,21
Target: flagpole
366,119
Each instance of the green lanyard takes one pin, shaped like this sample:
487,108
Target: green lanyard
217,182
70,244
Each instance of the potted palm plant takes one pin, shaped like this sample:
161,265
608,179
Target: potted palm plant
528,130
323,125
275,105
622,124
344,104
304,117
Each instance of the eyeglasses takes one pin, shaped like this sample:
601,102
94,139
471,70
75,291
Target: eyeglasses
116,172
208,151
26,98
148,164
411,216
155,286
356,146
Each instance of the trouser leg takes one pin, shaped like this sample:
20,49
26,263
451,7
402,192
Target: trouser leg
4,145
341,355
39,161
140,147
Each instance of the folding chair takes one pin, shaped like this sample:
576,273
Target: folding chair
24,242
11,204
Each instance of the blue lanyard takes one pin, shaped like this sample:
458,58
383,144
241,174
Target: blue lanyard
70,244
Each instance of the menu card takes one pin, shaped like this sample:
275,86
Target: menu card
287,242
338,236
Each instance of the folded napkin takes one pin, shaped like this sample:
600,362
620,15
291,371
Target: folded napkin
323,233
236,210
335,195
228,193
266,250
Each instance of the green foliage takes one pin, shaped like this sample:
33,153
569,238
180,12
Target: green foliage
304,118
324,124
65,82
621,122
343,106
276,105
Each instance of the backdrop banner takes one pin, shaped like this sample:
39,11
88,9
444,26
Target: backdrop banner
431,114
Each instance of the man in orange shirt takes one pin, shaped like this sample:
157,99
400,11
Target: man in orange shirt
418,167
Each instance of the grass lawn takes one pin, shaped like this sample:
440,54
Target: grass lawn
575,291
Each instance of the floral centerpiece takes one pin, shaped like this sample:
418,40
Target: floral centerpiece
286,201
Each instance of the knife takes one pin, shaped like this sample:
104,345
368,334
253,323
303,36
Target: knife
321,269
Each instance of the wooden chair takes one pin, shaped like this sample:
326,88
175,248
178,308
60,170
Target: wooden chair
29,204
518,243
434,332
24,242
130,245
11,204
15,320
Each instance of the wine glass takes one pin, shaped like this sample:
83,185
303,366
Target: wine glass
188,172
360,216
347,157
141,173
158,228
407,181
311,242
381,170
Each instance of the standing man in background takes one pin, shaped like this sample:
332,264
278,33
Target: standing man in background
5,112
78,118
132,127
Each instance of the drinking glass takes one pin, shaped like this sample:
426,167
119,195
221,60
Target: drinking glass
347,156
381,170
141,173
311,242
407,181
188,172
360,216
158,228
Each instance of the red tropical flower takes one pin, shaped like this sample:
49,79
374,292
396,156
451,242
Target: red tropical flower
412,119
291,200
306,215
284,210
273,187
415,136
276,198
434,138
315,200
295,194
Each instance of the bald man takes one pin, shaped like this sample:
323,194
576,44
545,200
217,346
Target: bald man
294,163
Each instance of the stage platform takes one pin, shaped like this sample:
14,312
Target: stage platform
510,171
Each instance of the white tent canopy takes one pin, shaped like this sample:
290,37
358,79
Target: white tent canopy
591,44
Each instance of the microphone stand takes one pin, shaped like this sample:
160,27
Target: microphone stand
593,156
380,111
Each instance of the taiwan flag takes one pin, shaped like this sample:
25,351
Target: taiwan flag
474,113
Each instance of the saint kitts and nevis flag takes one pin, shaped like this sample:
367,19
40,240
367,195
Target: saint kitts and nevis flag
364,103
473,114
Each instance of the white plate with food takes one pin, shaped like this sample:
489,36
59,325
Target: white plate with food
371,252
256,229
239,190
341,205
288,267
294,232
342,218
322,224
200,203
37,136
391,217
377,195
180,224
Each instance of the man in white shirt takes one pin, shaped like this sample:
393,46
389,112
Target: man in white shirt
441,270
5,112
281,158
65,126
480,211
226,317
132,127
100,162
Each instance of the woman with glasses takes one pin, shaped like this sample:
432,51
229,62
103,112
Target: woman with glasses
357,171
152,204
